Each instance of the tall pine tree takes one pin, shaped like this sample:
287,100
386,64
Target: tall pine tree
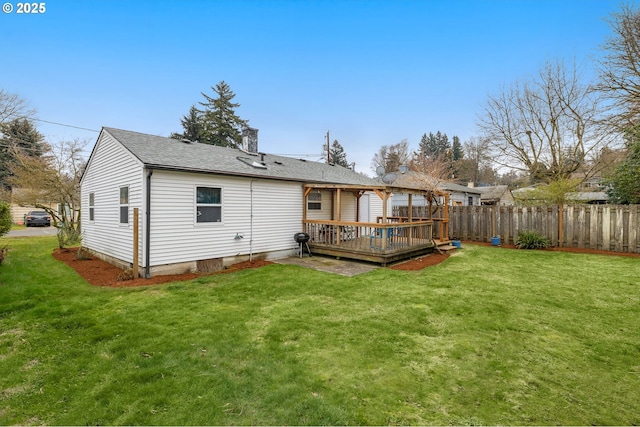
337,154
192,126
432,146
457,149
221,125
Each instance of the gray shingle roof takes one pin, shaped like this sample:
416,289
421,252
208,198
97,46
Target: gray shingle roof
494,192
422,180
168,153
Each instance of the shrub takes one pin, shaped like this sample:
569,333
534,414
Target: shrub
5,218
82,254
68,235
531,239
125,275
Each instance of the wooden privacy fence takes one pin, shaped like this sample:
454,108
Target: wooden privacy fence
602,227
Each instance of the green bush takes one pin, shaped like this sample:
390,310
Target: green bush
5,218
531,239
68,235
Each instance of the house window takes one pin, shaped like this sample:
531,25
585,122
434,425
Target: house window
314,201
208,204
91,206
124,205
470,201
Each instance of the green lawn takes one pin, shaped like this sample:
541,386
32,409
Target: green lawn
491,336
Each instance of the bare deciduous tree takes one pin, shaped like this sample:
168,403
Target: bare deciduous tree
429,172
477,165
53,178
620,68
548,126
391,157
12,107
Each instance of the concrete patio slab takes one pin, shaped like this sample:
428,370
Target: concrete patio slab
342,267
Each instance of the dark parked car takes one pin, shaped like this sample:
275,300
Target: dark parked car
37,218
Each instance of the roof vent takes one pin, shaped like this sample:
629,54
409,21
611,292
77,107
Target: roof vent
186,141
252,163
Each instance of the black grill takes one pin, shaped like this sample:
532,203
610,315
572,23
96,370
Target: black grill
302,239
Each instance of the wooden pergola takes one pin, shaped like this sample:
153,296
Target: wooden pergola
388,239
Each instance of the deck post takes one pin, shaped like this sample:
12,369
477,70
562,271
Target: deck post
384,235
339,212
410,220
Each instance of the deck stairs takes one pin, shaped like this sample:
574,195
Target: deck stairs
444,246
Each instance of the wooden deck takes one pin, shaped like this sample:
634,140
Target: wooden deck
373,242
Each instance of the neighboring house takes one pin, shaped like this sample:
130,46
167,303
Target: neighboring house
202,207
459,195
589,197
497,195
581,196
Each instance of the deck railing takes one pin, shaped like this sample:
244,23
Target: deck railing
370,236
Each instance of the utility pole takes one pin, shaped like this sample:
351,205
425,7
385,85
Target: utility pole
328,149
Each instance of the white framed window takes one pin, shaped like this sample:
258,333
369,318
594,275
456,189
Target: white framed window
314,201
208,204
124,205
92,199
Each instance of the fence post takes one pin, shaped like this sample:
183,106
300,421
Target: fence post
560,224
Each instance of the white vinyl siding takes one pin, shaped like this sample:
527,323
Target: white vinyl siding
177,237
111,166
325,203
348,206
348,202
375,210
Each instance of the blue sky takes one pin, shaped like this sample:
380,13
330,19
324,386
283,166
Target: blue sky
371,72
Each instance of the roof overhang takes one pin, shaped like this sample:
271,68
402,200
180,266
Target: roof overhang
376,188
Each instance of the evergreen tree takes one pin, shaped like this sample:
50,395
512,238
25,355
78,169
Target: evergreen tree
624,184
17,136
192,126
432,146
442,143
428,147
220,124
458,151
337,154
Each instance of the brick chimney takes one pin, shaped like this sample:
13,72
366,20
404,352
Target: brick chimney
250,140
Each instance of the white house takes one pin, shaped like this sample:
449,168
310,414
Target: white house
459,195
202,206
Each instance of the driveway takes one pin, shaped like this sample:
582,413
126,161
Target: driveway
33,231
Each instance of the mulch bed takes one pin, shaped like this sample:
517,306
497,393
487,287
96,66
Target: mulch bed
101,273
556,249
421,262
